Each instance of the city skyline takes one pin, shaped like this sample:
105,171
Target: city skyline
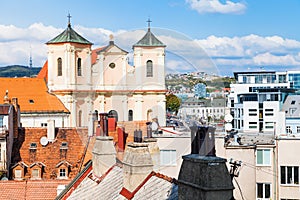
231,35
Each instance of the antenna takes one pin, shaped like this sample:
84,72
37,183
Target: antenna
30,59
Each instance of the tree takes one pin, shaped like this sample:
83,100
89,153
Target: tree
173,103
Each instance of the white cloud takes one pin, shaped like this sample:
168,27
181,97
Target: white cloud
212,54
215,6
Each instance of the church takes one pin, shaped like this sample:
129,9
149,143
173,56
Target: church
92,81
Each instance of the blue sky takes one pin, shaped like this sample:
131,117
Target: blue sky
236,35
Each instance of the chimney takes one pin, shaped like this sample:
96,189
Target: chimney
154,152
104,155
137,165
202,174
103,124
203,140
50,130
17,121
6,99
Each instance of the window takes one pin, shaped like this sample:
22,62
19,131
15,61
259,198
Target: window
149,69
288,129
112,65
263,157
168,157
64,145
43,124
62,172
59,67
293,102
1,121
269,125
35,173
130,115
269,112
79,67
263,191
33,145
289,175
253,125
31,101
298,129
18,173
252,112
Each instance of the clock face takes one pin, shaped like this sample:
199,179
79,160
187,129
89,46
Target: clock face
154,126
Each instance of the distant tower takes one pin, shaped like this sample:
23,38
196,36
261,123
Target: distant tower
30,59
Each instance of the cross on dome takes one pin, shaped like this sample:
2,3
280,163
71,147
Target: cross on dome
149,21
69,20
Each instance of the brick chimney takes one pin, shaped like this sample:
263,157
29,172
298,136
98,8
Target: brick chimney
137,165
203,175
16,116
104,155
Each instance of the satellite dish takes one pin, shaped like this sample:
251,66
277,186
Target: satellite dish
228,126
154,126
44,141
228,118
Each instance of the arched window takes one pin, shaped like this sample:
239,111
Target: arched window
130,115
79,67
79,118
59,67
113,114
149,72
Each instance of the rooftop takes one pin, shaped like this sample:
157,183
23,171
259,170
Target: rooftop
149,40
31,189
69,35
35,98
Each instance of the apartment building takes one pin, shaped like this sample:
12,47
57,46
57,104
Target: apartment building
269,167
256,100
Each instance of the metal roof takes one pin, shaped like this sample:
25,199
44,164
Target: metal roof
149,40
69,35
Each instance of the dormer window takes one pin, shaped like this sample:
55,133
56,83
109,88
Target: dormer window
31,101
64,145
33,145
63,169
293,102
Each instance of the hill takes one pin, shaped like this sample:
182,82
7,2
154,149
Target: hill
19,71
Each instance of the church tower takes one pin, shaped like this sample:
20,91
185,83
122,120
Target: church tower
149,61
69,72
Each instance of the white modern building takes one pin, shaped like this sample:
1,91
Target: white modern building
256,100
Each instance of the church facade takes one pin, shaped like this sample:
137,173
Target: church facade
91,81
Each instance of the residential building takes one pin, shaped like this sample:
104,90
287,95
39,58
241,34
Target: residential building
50,153
207,109
9,123
268,169
256,100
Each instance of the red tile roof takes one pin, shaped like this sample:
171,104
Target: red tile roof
94,54
31,189
32,94
44,72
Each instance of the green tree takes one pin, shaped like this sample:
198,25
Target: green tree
173,103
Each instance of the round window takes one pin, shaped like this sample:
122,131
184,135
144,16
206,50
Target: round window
112,65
